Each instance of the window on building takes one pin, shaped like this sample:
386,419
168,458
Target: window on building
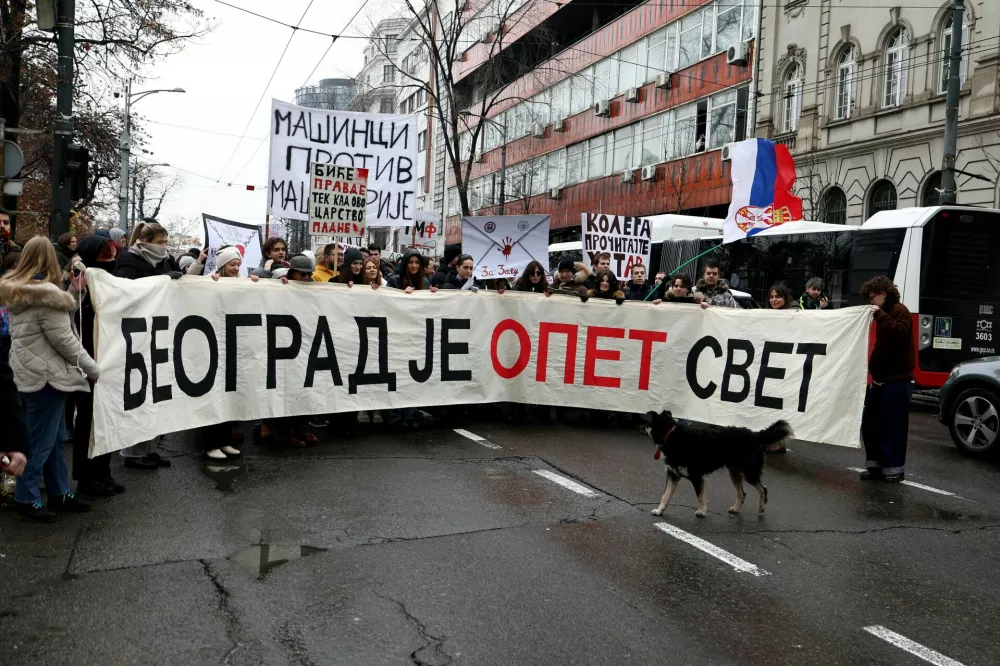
847,67
791,98
385,106
684,130
656,53
582,91
556,169
652,146
833,207
560,99
390,43
727,24
422,141
597,162
690,41
622,157
627,68
722,119
882,197
932,193
749,24
576,166
708,31
946,49
604,84
670,65
386,73
897,54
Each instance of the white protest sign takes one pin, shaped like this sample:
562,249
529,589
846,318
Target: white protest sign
236,350
319,241
503,246
626,239
338,200
245,237
384,144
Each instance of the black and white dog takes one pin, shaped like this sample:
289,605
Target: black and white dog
694,453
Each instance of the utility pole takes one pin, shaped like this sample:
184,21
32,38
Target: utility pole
949,191
63,124
125,148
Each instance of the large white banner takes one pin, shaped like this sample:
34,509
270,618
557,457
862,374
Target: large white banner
626,239
385,144
244,237
178,354
503,245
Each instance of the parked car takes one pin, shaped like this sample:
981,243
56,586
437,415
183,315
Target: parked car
970,405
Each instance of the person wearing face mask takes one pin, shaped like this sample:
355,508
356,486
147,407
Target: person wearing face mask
638,287
532,279
93,475
350,270
145,257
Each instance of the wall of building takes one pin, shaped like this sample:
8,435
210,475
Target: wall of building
901,143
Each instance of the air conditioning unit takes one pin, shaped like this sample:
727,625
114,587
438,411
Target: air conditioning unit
649,172
555,192
738,54
632,95
663,80
559,125
538,130
727,152
603,108
628,176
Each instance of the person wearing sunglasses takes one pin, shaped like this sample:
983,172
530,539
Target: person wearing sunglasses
532,279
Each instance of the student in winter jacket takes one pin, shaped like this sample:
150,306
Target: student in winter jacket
715,290
638,287
607,286
410,276
350,271
570,278
93,475
779,297
885,420
680,292
464,266
532,279
447,267
145,257
273,254
814,299
371,272
48,362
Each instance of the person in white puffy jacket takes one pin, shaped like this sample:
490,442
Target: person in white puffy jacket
49,363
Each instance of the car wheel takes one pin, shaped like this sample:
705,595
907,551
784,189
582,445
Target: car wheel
975,421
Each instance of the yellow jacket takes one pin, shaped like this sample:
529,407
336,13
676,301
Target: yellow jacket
324,273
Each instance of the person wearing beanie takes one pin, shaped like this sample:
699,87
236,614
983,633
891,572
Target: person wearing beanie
447,268
570,278
350,270
185,262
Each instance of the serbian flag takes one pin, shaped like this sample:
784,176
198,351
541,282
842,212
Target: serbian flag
763,174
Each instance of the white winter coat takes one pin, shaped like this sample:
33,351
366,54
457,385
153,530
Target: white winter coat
44,346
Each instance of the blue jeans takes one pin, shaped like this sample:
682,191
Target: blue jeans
885,425
45,413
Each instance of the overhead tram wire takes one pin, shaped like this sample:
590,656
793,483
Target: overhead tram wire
329,47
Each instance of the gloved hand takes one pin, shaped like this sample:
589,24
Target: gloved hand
175,275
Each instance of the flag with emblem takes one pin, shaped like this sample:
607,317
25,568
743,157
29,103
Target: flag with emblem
763,175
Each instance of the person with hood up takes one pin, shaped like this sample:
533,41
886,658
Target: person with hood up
638,287
447,267
350,272
273,254
146,257
532,279
715,290
410,276
607,286
118,237
570,278
48,362
93,475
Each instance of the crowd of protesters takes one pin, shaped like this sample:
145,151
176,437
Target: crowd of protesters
47,366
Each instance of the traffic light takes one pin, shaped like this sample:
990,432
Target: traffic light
78,171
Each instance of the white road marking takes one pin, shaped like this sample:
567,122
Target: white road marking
914,648
569,484
477,439
713,550
914,484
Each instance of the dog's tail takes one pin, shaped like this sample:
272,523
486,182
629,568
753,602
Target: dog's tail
777,432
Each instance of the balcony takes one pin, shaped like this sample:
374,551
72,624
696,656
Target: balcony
786,140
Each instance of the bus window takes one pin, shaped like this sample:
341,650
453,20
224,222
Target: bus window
873,253
959,258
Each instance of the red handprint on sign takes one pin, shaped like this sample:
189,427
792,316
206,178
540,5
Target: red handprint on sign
508,247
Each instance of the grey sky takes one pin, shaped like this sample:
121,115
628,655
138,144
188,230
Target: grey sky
224,75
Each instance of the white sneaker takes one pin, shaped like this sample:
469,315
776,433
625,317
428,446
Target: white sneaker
230,451
216,454
363,417
376,417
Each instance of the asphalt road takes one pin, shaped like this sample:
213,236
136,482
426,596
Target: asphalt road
529,543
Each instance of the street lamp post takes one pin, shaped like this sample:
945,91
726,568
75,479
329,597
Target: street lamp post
125,149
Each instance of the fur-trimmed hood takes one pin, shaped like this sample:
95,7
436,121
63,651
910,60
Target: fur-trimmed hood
579,277
671,295
36,295
720,288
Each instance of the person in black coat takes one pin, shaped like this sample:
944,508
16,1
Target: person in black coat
638,287
447,267
15,430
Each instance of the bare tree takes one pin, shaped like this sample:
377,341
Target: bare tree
461,109
152,188
678,185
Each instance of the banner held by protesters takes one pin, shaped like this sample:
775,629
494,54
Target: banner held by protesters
626,239
193,352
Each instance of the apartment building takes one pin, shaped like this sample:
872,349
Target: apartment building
857,92
624,110
376,90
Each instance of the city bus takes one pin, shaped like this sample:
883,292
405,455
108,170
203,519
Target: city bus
944,259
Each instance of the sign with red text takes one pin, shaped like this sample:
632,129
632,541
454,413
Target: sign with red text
337,200
626,239
193,352
503,245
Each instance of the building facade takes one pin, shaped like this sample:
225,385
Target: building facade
330,94
857,93
376,82
624,112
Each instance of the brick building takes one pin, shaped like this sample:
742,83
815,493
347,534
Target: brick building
626,113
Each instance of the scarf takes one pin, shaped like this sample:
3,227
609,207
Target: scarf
153,254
